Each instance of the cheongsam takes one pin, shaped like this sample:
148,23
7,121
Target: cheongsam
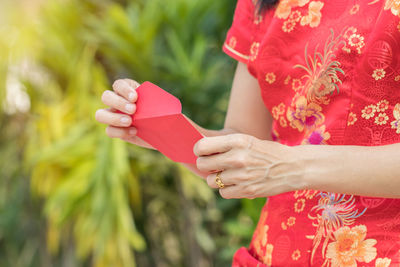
329,73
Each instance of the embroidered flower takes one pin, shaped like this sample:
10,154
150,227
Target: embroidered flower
288,25
295,16
278,110
378,74
265,235
396,125
314,14
299,193
254,51
323,86
284,226
357,41
299,205
311,193
321,71
394,6
304,115
297,85
285,7
261,234
385,262
397,78
381,119
332,212
351,119
396,114
283,122
317,137
355,9
232,42
349,31
267,258
368,112
382,105
270,77
296,255
291,221
350,247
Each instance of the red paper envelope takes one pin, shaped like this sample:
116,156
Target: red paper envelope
160,123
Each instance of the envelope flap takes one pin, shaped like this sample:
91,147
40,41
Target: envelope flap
154,101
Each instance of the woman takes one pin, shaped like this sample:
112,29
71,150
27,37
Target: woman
325,73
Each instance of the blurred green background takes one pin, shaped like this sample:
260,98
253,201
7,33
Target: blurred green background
71,196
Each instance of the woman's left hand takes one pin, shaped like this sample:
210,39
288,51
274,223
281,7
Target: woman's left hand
249,167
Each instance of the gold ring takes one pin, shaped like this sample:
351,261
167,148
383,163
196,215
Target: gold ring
218,181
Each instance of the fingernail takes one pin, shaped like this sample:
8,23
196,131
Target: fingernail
132,131
131,96
125,120
129,107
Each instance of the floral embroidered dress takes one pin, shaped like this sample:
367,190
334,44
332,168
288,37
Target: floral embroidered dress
329,73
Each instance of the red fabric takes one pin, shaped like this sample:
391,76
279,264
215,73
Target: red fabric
329,72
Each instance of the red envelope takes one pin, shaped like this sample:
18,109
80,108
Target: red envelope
160,122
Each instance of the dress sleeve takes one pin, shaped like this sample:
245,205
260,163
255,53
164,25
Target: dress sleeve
239,37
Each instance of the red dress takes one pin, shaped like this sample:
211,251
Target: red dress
329,73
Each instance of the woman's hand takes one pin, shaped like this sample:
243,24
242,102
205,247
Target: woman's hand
123,99
250,167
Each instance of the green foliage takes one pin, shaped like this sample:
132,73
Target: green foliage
105,202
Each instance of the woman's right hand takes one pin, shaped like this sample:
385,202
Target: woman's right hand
123,98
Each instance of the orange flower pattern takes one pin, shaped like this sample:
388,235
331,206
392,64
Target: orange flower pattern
393,6
254,51
351,247
382,262
381,119
287,10
368,112
297,85
232,42
332,212
313,17
268,254
396,114
270,77
285,7
382,105
378,74
291,221
304,115
317,137
299,205
296,255
351,119
310,194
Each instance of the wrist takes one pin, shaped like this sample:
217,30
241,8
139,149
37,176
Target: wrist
312,162
302,162
322,165
292,168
